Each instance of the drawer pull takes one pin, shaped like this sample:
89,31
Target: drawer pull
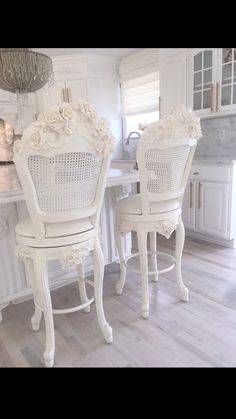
195,173
199,196
191,194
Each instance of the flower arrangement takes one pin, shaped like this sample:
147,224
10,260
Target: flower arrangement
55,127
180,124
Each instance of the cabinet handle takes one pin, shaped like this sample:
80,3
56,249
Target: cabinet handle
199,196
217,96
159,107
63,95
191,194
212,98
68,95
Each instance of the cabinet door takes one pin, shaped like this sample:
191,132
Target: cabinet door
203,70
188,206
7,97
56,93
172,82
226,87
76,90
212,208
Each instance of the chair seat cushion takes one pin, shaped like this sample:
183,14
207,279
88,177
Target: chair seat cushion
132,205
25,228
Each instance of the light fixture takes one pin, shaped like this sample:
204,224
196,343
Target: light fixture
24,71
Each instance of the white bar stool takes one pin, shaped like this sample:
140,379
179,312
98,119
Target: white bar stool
62,162
164,156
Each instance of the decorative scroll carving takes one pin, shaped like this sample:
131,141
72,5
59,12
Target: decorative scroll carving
76,254
163,227
23,252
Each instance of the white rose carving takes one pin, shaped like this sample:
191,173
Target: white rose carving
37,140
86,112
65,113
51,117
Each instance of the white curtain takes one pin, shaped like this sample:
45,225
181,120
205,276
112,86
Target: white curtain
139,79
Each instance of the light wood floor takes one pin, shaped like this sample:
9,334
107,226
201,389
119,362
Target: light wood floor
200,333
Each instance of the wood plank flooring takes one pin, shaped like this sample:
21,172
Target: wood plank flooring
201,333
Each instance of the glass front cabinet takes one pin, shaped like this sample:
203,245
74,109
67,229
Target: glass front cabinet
212,81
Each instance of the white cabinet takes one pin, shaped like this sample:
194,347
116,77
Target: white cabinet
7,102
209,204
173,82
212,81
213,201
203,70
66,91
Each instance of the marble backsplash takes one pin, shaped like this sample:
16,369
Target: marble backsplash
211,145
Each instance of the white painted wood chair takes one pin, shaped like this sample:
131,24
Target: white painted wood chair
164,156
62,162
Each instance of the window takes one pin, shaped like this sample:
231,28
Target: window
139,76
140,121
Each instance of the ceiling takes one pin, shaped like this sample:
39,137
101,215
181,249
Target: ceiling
113,52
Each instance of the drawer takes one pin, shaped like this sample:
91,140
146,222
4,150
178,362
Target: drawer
211,173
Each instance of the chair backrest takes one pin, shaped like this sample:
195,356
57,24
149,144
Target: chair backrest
62,161
164,156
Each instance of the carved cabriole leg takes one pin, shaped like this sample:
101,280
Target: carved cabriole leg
36,318
82,287
98,259
153,248
42,287
142,248
179,245
2,306
121,251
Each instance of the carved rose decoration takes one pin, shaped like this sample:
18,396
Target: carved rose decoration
54,128
86,112
37,140
181,123
104,144
65,113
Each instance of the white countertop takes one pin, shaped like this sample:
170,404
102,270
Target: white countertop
214,160
10,188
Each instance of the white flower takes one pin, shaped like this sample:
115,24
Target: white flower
180,123
104,146
50,117
37,140
40,122
104,137
65,112
86,112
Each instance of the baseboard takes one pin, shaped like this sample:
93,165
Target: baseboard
211,239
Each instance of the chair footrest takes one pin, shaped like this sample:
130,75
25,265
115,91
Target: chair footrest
72,309
161,271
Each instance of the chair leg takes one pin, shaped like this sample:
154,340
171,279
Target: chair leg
36,318
142,246
82,287
42,287
153,248
121,251
179,245
98,259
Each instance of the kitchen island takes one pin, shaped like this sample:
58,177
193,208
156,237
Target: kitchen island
14,279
